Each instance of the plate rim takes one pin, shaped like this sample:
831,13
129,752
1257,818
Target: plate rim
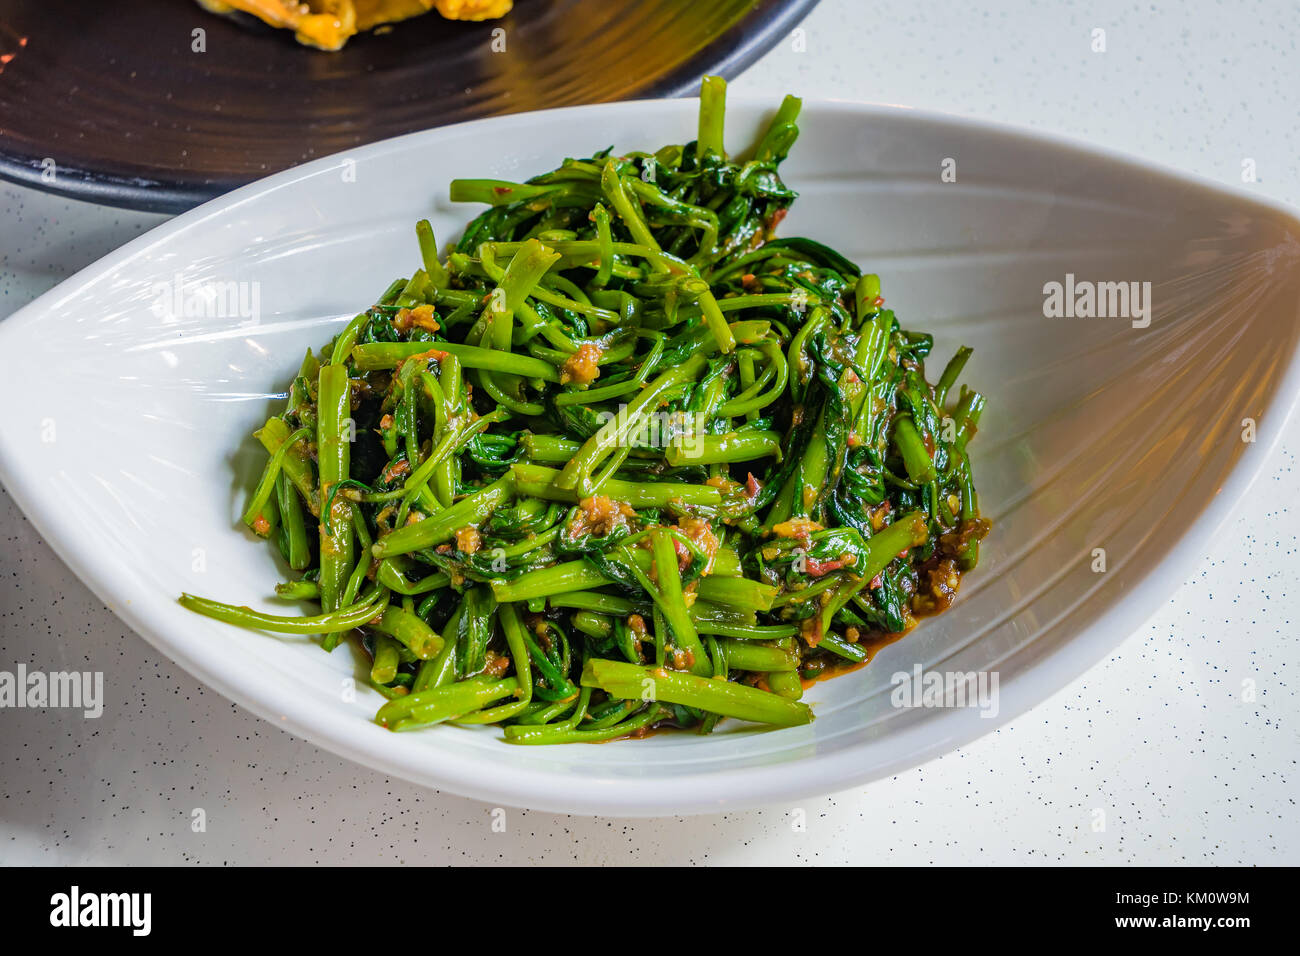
705,792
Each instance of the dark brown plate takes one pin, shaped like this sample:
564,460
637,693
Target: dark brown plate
109,102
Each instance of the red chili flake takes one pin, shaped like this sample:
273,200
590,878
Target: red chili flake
818,568
878,301
752,487
877,581
683,555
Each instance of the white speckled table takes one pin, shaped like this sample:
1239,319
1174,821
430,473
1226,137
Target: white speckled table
1158,737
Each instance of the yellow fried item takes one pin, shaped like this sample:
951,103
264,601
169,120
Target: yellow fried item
473,9
328,24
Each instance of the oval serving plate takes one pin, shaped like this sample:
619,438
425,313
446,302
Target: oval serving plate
123,109
126,434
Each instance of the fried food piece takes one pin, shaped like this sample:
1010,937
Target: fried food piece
328,24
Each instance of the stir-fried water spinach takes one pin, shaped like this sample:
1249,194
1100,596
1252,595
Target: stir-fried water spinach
622,460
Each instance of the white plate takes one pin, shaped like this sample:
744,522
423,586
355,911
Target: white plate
125,437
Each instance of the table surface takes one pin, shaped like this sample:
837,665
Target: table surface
1160,754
